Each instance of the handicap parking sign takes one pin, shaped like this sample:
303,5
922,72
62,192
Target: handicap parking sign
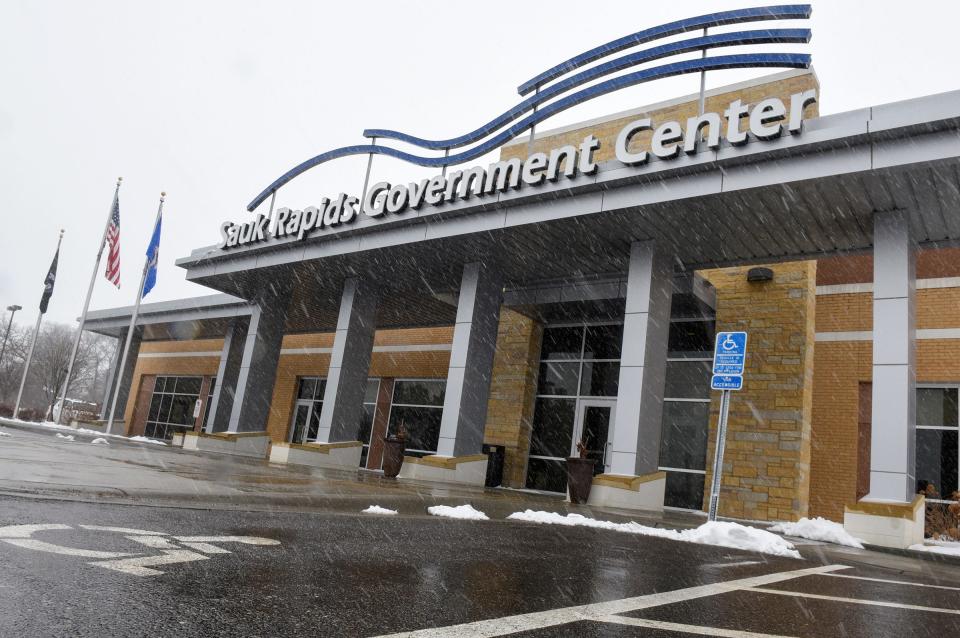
730,353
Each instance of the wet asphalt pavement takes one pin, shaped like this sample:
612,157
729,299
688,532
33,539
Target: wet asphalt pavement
362,575
193,545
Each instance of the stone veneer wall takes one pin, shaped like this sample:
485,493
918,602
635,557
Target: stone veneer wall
512,392
766,470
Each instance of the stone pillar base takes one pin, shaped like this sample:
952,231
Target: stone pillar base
886,523
465,470
177,440
629,492
344,455
252,444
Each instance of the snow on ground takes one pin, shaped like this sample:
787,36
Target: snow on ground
818,529
143,439
5,433
464,512
57,426
100,441
67,437
722,534
376,509
950,549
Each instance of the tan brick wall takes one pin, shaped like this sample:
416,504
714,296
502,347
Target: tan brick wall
607,132
512,391
936,308
841,366
766,471
413,364
197,366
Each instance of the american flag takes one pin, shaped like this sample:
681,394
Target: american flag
113,240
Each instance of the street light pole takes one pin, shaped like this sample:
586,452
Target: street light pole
12,310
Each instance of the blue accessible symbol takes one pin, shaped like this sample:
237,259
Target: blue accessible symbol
730,353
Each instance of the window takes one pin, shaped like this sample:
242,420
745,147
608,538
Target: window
365,427
172,406
686,415
206,408
305,426
418,405
306,415
577,363
937,441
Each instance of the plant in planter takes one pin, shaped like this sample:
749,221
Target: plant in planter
393,448
580,475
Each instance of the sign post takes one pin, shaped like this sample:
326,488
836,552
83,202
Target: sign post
729,357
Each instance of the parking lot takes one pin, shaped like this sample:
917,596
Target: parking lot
203,546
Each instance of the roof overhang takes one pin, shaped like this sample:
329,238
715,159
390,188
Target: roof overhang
191,318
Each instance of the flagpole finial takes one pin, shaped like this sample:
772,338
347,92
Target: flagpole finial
119,179
62,231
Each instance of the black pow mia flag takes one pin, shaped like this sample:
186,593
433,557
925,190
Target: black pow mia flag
48,283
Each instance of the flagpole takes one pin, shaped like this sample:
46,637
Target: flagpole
86,303
33,344
118,375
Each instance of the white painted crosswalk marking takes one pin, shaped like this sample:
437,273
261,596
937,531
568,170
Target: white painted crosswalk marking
687,629
857,601
892,582
552,618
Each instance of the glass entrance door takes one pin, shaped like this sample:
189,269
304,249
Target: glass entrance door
301,419
594,428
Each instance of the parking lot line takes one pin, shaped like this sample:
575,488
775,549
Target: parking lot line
857,601
551,618
687,629
891,582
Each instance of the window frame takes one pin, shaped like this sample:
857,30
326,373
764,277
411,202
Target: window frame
393,393
165,423
948,428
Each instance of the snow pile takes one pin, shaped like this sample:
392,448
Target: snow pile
98,433
950,549
100,441
464,512
576,520
143,439
721,534
2,433
376,509
818,529
724,534
66,437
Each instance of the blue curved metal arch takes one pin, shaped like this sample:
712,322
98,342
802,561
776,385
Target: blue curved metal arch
767,36
753,60
777,12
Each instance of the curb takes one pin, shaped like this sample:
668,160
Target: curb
933,557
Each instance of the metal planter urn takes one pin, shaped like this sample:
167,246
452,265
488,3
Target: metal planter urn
580,476
393,449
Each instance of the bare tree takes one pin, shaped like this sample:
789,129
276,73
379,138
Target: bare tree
52,356
11,366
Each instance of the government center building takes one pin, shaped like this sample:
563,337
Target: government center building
570,290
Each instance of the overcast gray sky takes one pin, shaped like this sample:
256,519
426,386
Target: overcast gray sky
211,101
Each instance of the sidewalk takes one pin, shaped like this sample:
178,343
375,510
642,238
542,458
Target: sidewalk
36,462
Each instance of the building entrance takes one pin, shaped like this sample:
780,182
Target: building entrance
594,428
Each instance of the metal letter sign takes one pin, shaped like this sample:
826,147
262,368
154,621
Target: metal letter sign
729,358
